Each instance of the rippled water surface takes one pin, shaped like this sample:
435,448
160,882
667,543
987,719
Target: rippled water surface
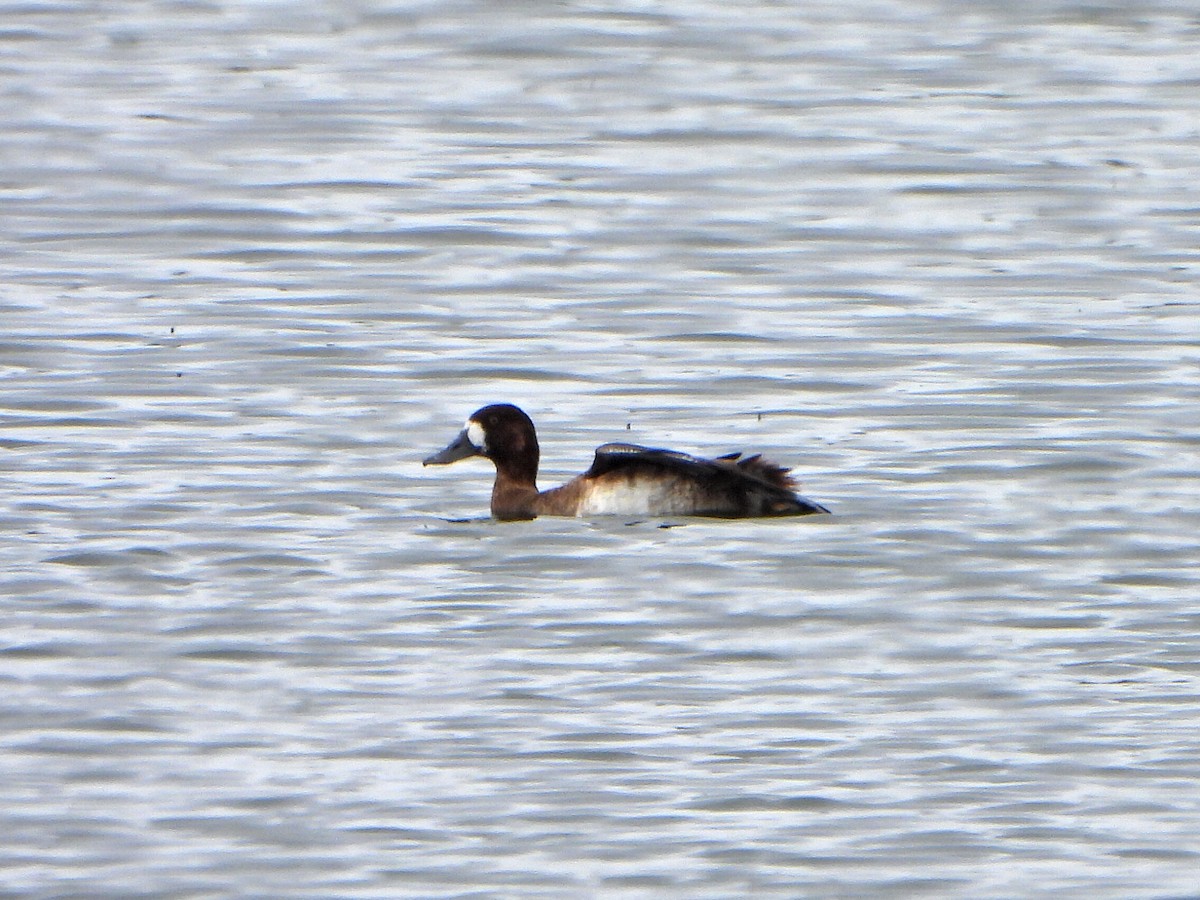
259,259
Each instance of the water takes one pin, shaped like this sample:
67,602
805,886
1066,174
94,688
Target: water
259,259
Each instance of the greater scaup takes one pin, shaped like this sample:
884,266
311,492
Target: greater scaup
624,479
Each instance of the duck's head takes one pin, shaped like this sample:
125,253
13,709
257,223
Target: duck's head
500,432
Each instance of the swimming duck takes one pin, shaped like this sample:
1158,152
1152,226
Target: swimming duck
624,479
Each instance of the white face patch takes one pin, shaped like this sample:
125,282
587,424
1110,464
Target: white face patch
476,435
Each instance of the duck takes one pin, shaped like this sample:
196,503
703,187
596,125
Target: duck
624,479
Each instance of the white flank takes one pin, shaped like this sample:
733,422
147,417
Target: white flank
645,497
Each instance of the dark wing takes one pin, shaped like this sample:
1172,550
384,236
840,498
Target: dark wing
752,483
617,456
628,457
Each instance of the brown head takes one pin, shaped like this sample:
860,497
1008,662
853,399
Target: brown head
502,433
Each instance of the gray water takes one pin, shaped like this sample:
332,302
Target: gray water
258,259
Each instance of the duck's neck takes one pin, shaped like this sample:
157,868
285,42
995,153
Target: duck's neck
513,499
513,495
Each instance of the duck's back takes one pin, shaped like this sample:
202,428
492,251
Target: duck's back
627,479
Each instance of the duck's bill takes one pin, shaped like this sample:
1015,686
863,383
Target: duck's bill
459,448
